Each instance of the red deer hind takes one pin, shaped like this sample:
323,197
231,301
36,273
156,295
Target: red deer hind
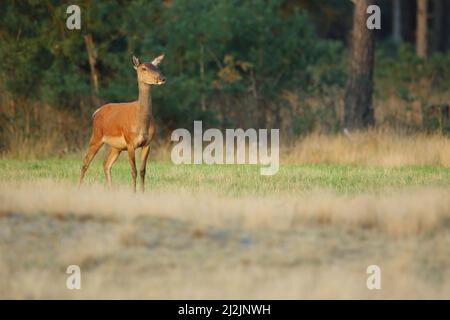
126,126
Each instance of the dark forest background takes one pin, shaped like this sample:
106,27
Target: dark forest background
260,63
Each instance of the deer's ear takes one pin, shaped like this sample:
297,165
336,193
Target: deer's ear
157,60
135,61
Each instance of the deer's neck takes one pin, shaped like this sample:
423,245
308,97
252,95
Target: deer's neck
144,106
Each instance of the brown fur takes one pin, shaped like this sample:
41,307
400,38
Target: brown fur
119,119
126,126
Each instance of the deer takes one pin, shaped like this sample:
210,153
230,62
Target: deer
126,126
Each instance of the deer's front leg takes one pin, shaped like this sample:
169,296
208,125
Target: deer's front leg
132,159
144,156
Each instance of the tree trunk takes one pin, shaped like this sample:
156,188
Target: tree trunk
358,108
92,56
438,26
202,77
421,30
446,28
409,20
397,21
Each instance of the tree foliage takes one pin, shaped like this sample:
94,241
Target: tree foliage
213,49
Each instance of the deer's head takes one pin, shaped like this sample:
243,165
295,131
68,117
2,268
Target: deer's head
148,72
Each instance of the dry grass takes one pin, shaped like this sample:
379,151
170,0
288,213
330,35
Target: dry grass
404,213
377,147
184,245
373,147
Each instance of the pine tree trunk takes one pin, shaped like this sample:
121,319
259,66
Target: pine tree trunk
92,57
446,27
397,21
358,108
438,26
409,20
421,31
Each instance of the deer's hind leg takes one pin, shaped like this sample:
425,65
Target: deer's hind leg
107,164
94,145
132,160
143,165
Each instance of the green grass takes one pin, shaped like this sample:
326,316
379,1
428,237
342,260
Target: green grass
235,179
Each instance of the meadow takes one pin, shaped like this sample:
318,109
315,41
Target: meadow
220,232
342,200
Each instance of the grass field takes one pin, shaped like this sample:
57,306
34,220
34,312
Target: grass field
203,231
236,180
